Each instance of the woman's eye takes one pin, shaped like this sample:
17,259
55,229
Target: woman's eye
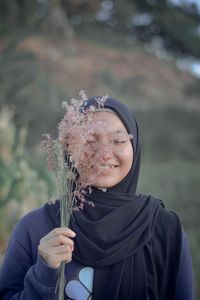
90,142
116,142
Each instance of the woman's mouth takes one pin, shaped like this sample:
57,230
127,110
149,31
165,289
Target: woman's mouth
105,169
108,166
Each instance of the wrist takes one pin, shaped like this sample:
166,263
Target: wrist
45,274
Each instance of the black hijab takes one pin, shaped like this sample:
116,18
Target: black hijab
116,237
107,230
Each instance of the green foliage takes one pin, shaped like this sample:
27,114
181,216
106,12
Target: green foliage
143,5
176,25
15,14
182,30
21,187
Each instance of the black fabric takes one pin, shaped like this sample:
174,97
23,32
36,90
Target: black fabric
116,228
131,240
149,274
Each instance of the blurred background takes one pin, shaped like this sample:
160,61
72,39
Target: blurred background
144,52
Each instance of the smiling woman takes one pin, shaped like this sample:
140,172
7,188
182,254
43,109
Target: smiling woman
110,150
125,247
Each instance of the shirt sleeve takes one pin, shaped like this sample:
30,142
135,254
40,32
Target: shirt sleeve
185,283
20,279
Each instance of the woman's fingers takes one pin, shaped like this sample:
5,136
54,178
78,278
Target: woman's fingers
57,246
46,252
62,249
58,240
60,231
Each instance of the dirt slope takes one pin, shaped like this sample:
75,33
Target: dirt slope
134,76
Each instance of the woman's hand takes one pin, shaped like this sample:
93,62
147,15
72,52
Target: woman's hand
57,246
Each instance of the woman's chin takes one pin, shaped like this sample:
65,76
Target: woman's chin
104,183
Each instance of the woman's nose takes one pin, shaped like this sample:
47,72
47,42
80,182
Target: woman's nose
104,151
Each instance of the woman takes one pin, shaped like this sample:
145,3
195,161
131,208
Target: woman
126,247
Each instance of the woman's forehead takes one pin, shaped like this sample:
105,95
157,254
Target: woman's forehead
107,121
107,117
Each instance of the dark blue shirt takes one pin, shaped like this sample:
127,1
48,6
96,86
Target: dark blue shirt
24,275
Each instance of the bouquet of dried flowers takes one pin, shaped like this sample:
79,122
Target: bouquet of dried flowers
65,156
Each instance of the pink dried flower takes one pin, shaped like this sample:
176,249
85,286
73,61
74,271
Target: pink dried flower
71,152
83,95
47,146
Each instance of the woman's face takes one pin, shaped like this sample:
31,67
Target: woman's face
109,149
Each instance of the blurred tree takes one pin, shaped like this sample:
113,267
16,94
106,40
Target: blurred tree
181,35
151,5
176,25
17,14
29,69
27,88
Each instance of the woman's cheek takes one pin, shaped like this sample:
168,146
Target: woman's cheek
125,154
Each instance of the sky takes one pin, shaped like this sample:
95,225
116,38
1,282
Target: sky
178,2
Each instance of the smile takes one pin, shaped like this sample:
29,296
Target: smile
108,166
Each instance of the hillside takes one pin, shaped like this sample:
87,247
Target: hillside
135,76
